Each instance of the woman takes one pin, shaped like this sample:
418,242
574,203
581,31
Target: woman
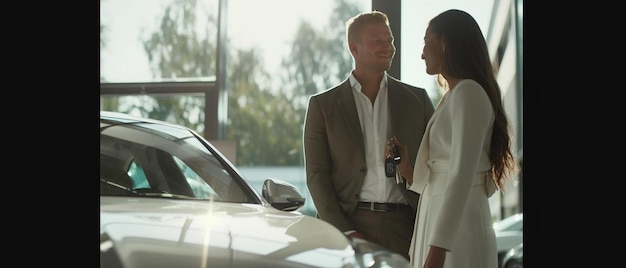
465,153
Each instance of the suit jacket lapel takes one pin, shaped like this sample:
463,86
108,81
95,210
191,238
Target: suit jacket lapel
347,110
395,114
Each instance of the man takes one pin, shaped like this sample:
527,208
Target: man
346,131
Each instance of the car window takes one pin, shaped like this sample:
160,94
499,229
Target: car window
199,187
137,176
163,161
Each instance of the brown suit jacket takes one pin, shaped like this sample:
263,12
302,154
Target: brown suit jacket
333,145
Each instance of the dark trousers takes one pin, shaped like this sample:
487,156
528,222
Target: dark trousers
391,229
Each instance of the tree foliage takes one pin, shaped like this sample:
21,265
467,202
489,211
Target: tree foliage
265,123
318,59
177,49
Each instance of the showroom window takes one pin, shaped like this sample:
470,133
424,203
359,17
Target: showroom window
159,60
247,93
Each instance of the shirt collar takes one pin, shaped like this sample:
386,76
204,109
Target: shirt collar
357,86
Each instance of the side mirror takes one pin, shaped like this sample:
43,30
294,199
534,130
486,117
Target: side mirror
282,195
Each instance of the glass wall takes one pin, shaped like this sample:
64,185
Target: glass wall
163,59
276,54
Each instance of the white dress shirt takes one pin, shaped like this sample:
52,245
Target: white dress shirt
376,131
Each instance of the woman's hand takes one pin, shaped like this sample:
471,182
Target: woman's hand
405,166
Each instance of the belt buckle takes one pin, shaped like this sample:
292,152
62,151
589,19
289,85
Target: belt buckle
372,208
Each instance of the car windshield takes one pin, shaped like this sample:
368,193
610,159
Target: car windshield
140,158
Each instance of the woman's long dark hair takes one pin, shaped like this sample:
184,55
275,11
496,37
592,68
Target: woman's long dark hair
467,57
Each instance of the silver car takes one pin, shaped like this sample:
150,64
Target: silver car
169,198
509,234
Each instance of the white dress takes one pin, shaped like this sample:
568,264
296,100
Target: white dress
451,173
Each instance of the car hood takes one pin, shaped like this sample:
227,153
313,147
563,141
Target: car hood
157,232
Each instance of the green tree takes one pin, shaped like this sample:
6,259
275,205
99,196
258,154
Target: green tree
264,124
179,50
318,60
268,126
336,31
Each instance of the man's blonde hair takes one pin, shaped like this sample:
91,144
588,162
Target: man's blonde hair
355,25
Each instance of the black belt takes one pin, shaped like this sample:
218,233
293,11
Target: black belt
373,206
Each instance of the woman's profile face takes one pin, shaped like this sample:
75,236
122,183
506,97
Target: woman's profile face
433,52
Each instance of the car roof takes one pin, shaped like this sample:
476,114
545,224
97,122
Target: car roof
127,118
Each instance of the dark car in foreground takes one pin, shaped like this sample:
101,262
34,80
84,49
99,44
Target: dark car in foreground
169,198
